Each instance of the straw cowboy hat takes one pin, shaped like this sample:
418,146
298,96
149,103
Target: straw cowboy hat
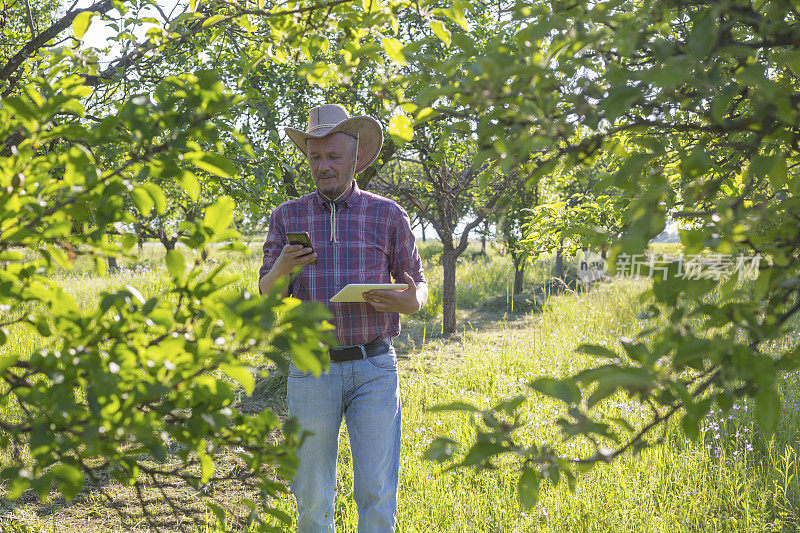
333,118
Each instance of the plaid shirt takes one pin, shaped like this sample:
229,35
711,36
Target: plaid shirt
364,238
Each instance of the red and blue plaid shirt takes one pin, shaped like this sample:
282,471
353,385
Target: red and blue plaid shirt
363,238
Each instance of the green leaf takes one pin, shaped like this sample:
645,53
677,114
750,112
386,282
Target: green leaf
509,406
19,480
219,512
441,32
456,14
762,284
242,374
81,23
619,100
394,49
691,426
216,164
725,401
792,59
189,182
128,240
698,162
42,485
563,390
210,21
280,515
423,115
528,488
142,200
596,351
175,263
400,129
70,480
43,327
722,102
11,255
100,265
60,228
778,175
703,35
219,215
157,196
768,410
206,466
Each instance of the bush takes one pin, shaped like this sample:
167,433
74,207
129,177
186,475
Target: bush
430,252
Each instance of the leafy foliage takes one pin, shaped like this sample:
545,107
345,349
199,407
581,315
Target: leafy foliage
115,386
691,111
686,110
142,388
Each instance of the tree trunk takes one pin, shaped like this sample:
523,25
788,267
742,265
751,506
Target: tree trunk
560,262
112,264
169,243
448,292
603,252
519,273
422,225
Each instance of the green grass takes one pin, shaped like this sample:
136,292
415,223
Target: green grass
732,479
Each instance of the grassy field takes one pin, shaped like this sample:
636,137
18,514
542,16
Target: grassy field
732,479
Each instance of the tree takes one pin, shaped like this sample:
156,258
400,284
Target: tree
515,211
119,387
578,212
438,170
699,99
439,176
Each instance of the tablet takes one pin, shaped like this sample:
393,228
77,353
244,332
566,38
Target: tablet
354,292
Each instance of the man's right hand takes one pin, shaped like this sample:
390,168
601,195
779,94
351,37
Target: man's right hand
293,256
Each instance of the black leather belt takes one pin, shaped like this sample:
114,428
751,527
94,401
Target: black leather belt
353,353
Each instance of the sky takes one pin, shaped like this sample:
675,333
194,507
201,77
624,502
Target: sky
99,33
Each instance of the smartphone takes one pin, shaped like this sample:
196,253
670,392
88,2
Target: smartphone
301,237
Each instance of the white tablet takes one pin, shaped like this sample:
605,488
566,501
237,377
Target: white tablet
355,291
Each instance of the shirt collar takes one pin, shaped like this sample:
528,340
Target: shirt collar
348,200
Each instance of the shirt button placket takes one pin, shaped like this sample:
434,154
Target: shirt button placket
337,288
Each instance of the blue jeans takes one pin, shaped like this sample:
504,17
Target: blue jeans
367,393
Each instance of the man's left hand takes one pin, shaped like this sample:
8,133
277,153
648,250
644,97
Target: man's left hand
390,301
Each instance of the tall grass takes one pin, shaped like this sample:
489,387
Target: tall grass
732,479
478,276
729,480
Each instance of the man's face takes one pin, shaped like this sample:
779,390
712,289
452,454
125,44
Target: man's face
332,160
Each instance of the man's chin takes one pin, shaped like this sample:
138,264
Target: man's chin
330,192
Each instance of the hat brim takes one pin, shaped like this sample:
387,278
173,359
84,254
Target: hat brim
367,129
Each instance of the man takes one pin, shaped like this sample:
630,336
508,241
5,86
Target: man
357,237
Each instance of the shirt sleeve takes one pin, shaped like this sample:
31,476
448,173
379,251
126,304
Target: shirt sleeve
403,255
274,243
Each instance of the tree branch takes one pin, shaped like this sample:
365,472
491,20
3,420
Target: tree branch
43,38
